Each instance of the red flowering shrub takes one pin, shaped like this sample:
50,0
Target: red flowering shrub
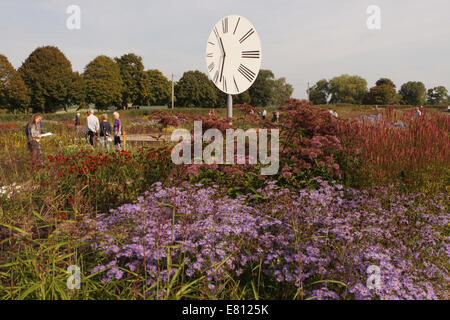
109,179
246,108
309,145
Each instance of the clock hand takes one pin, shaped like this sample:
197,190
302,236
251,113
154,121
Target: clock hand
223,48
221,70
223,59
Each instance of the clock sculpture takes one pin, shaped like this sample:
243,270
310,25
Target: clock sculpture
233,56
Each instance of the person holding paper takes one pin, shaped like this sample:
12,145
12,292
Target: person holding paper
34,137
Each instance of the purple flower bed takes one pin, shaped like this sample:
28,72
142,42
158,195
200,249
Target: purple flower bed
322,241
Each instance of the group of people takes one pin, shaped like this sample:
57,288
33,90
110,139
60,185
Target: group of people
419,112
275,116
102,129
94,129
212,113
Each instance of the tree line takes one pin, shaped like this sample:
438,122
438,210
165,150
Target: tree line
46,82
353,89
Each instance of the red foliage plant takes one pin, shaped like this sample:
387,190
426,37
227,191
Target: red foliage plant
414,149
309,140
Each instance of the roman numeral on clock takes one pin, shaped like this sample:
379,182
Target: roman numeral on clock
239,20
216,76
209,55
247,73
211,67
247,35
225,25
251,54
235,84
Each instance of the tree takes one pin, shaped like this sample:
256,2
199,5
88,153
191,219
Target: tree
319,93
14,94
383,93
261,91
413,93
195,90
160,90
77,91
136,84
103,82
281,92
385,81
242,98
437,95
48,74
348,89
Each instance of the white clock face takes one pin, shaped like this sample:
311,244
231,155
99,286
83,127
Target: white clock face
233,54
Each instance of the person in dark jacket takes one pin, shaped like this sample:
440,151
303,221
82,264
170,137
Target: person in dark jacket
105,132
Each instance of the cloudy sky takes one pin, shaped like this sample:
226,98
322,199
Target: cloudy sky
304,41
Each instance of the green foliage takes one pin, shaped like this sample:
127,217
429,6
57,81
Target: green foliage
319,93
160,89
385,81
77,91
261,92
242,98
196,90
347,89
48,74
282,91
14,94
136,84
437,95
381,94
103,82
413,93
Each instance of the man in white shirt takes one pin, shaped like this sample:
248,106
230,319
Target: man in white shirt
92,126
333,113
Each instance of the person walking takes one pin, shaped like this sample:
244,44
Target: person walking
264,114
276,117
117,131
418,113
92,126
335,114
105,132
77,121
33,132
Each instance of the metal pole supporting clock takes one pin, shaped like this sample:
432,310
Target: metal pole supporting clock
229,106
233,56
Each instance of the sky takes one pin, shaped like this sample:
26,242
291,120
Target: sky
303,41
